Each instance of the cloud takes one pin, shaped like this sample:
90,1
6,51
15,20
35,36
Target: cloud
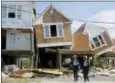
106,16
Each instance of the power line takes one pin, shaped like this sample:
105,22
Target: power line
63,18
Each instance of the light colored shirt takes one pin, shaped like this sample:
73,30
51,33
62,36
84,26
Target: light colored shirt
75,62
85,63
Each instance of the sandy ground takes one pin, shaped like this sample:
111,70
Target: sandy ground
62,79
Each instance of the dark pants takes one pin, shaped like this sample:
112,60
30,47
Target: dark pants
85,73
75,73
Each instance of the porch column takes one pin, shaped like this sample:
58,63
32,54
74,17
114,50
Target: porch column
58,65
93,60
32,62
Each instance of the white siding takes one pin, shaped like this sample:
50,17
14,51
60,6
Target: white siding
26,18
22,41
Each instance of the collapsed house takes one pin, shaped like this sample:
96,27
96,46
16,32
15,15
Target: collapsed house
17,33
99,41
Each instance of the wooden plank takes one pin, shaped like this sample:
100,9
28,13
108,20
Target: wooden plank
48,71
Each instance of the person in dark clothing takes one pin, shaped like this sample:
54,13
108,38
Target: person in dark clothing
75,67
85,68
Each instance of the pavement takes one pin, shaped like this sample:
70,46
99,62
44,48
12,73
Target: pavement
69,79
62,79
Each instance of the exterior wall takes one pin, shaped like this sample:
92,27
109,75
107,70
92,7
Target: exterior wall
26,19
108,39
55,17
40,35
22,41
81,42
108,42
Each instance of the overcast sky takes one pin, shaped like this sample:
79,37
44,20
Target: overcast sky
96,11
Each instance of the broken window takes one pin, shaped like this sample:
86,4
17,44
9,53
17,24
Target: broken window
53,30
12,11
19,13
4,10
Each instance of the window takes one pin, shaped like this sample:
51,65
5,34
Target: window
19,13
96,41
92,44
4,10
53,30
60,30
46,31
101,39
12,11
34,11
12,38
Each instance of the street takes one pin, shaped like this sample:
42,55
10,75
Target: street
62,79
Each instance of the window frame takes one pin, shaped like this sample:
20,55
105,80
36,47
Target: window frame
14,11
101,45
49,24
18,11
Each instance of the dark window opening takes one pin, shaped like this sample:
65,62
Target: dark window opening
53,31
34,11
101,39
92,46
11,15
95,39
98,44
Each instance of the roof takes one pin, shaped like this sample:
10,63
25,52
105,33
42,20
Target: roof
91,29
81,29
40,19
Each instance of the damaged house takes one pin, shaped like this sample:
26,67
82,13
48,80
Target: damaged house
53,32
99,41
17,33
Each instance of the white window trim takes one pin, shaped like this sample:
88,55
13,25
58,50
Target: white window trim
50,30
105,44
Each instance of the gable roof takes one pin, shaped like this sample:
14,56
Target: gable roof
81,29
40,18
91,29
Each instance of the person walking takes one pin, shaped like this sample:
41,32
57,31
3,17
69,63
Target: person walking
85,68
75,67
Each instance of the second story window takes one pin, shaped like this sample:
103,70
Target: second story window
53,30
19,12
12,11
4,10
98,41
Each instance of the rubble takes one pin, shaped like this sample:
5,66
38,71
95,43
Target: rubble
4,76
112,71
28,75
